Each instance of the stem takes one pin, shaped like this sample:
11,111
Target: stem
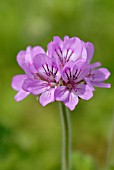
110,143
66,133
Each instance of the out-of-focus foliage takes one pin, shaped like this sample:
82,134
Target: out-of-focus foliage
30,135
110,167
82,162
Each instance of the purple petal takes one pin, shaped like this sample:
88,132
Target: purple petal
72,102
40,60
61,93
47,67
37,50
26,57
74,45
66,38
57,40
75,71
95,65
35,87
21,95
100,74
27,70
101,84
84,54
69,64
21,58
47,97
67,71
55,49
90,51
50,49
17,82
88,82
80,70
84,91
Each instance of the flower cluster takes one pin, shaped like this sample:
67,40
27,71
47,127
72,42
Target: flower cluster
63,73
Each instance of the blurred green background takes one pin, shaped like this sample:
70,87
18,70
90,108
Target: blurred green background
30,135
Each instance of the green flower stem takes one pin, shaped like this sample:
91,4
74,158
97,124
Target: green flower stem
66,133
110,143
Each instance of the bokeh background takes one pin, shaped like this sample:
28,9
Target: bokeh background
30,135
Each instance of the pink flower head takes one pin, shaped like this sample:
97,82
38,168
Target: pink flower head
64,74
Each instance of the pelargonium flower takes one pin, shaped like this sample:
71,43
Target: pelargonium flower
25,61
73,85
96,75
45,80
69,49
64,73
